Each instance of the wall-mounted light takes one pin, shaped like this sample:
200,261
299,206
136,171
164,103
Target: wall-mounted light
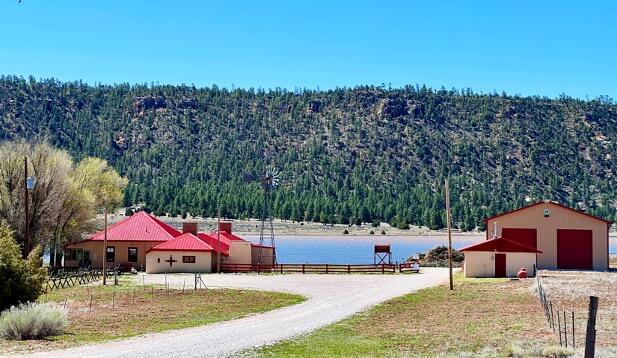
547,213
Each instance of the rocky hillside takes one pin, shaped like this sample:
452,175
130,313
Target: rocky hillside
344,155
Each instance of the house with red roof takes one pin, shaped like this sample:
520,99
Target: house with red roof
185,253
144,242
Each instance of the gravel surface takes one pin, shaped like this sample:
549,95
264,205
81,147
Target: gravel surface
330,298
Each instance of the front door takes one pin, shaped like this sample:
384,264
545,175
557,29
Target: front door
500,265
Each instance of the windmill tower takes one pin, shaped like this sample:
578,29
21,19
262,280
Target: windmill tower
269,182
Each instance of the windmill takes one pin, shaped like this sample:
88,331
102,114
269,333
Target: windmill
269,182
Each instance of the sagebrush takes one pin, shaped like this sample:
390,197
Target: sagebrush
32,321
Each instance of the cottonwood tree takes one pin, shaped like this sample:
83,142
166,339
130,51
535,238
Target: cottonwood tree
51,168
106,187
65,198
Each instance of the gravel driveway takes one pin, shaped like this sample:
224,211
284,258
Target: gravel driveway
330,298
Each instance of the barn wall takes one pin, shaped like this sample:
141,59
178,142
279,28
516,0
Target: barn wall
482,263
560,218
122,252
203,262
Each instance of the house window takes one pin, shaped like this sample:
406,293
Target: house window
111,254
188,259
132,254
73,254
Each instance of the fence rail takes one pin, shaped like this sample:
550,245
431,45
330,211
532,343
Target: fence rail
318,268
69,279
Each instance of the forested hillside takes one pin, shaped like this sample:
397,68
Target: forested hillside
344,155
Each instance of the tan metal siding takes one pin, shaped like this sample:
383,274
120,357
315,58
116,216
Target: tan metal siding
560,218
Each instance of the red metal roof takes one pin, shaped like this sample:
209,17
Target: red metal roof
140,226
500,245
229,236
547,202
184,242
213,242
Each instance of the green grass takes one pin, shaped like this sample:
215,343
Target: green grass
482,316
128,310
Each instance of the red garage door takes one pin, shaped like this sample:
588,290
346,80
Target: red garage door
574,249
525,237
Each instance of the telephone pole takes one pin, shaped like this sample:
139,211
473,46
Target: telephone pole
27,221
449,219
218,234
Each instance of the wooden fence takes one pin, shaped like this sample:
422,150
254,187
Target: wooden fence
318,268
69,279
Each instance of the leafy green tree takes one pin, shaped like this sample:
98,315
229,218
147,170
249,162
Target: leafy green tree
20,280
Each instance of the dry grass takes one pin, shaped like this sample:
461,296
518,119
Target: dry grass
125,311
481,317
570,291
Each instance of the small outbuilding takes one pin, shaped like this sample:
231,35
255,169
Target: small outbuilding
499,258
185,253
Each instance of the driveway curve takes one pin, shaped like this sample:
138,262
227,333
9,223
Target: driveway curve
330,298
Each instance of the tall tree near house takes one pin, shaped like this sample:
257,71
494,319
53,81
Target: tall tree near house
75,217
51,168
106,187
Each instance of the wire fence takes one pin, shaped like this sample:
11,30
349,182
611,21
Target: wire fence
561,321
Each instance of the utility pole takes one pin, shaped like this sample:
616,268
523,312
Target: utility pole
27,221
105,247
449,219
218,234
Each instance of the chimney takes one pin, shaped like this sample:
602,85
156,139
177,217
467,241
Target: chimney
189,227
225,226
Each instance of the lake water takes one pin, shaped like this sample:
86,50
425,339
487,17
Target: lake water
359,249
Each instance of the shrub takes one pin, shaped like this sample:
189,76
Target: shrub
22,280
375,223
371,232
557,352
345,232
383,232
32,321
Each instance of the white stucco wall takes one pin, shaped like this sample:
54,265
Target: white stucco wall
482,263
203,262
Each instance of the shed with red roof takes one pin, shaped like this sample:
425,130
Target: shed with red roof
499,257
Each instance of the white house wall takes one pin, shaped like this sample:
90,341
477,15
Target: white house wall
155,262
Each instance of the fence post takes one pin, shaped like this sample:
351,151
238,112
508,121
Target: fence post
348,268
382,268
590,337
303,268
550,303
281,268
326,268
559,327
565,328
573,337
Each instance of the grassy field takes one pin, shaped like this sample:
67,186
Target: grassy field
570,290
127,310
481,317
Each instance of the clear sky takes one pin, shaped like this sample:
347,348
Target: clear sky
521,47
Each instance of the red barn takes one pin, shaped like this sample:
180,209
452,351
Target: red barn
566,238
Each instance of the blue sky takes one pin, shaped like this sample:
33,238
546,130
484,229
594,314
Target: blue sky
521,47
